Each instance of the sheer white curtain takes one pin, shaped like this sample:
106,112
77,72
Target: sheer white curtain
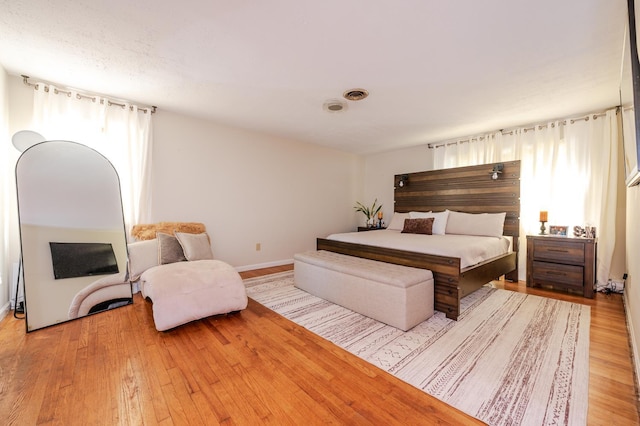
568,168
9,236
122,134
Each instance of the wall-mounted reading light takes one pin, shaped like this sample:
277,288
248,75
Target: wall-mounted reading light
497,169
404,181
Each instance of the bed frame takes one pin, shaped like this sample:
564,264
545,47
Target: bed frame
465,189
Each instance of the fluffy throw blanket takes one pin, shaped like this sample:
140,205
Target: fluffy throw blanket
148,231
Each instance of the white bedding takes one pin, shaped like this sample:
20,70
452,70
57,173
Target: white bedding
470,249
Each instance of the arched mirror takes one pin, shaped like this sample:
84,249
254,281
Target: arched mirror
74,250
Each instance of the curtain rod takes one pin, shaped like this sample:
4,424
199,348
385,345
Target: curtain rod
525,129
91,97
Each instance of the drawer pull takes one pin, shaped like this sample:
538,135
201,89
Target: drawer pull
559,250
556,273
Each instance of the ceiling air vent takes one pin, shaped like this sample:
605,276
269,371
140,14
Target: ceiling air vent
334,106
355,94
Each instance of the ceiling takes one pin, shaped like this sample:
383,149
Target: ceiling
435,70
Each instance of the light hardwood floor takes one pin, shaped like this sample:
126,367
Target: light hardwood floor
249,368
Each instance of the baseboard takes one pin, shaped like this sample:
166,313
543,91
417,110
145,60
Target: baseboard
632,342
4,310
264,265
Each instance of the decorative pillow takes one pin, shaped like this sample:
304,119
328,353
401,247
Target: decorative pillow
397,221
482,224
195,246
418,226
142,256
439,223
169,249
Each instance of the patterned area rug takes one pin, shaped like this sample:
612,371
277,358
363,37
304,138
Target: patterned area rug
510,359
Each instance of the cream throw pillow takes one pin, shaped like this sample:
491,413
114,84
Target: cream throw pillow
481,224
142,256
397,221
439,223
195,246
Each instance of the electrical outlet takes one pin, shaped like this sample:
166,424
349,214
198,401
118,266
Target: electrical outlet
258,246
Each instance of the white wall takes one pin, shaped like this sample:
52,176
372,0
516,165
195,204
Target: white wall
17,101
380,169
250,188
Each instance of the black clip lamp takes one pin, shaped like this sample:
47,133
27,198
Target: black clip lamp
497,169
404,181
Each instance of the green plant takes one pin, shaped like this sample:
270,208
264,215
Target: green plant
369,212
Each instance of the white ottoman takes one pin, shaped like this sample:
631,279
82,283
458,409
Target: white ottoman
396,295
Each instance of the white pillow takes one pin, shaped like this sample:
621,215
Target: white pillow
482,224
142,256
397,221
439,222
195,246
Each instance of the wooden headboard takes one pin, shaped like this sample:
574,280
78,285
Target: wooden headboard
465,189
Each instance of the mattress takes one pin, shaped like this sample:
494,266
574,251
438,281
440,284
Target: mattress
470,249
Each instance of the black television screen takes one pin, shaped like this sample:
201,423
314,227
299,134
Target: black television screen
72,260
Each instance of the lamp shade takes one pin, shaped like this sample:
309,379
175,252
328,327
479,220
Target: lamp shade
25,139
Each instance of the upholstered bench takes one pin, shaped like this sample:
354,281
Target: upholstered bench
396,295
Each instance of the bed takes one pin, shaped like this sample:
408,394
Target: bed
467,190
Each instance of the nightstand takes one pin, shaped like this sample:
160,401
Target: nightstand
366,228
563,263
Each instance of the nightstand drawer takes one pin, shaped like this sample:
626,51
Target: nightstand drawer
553,273
564,263
559,251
